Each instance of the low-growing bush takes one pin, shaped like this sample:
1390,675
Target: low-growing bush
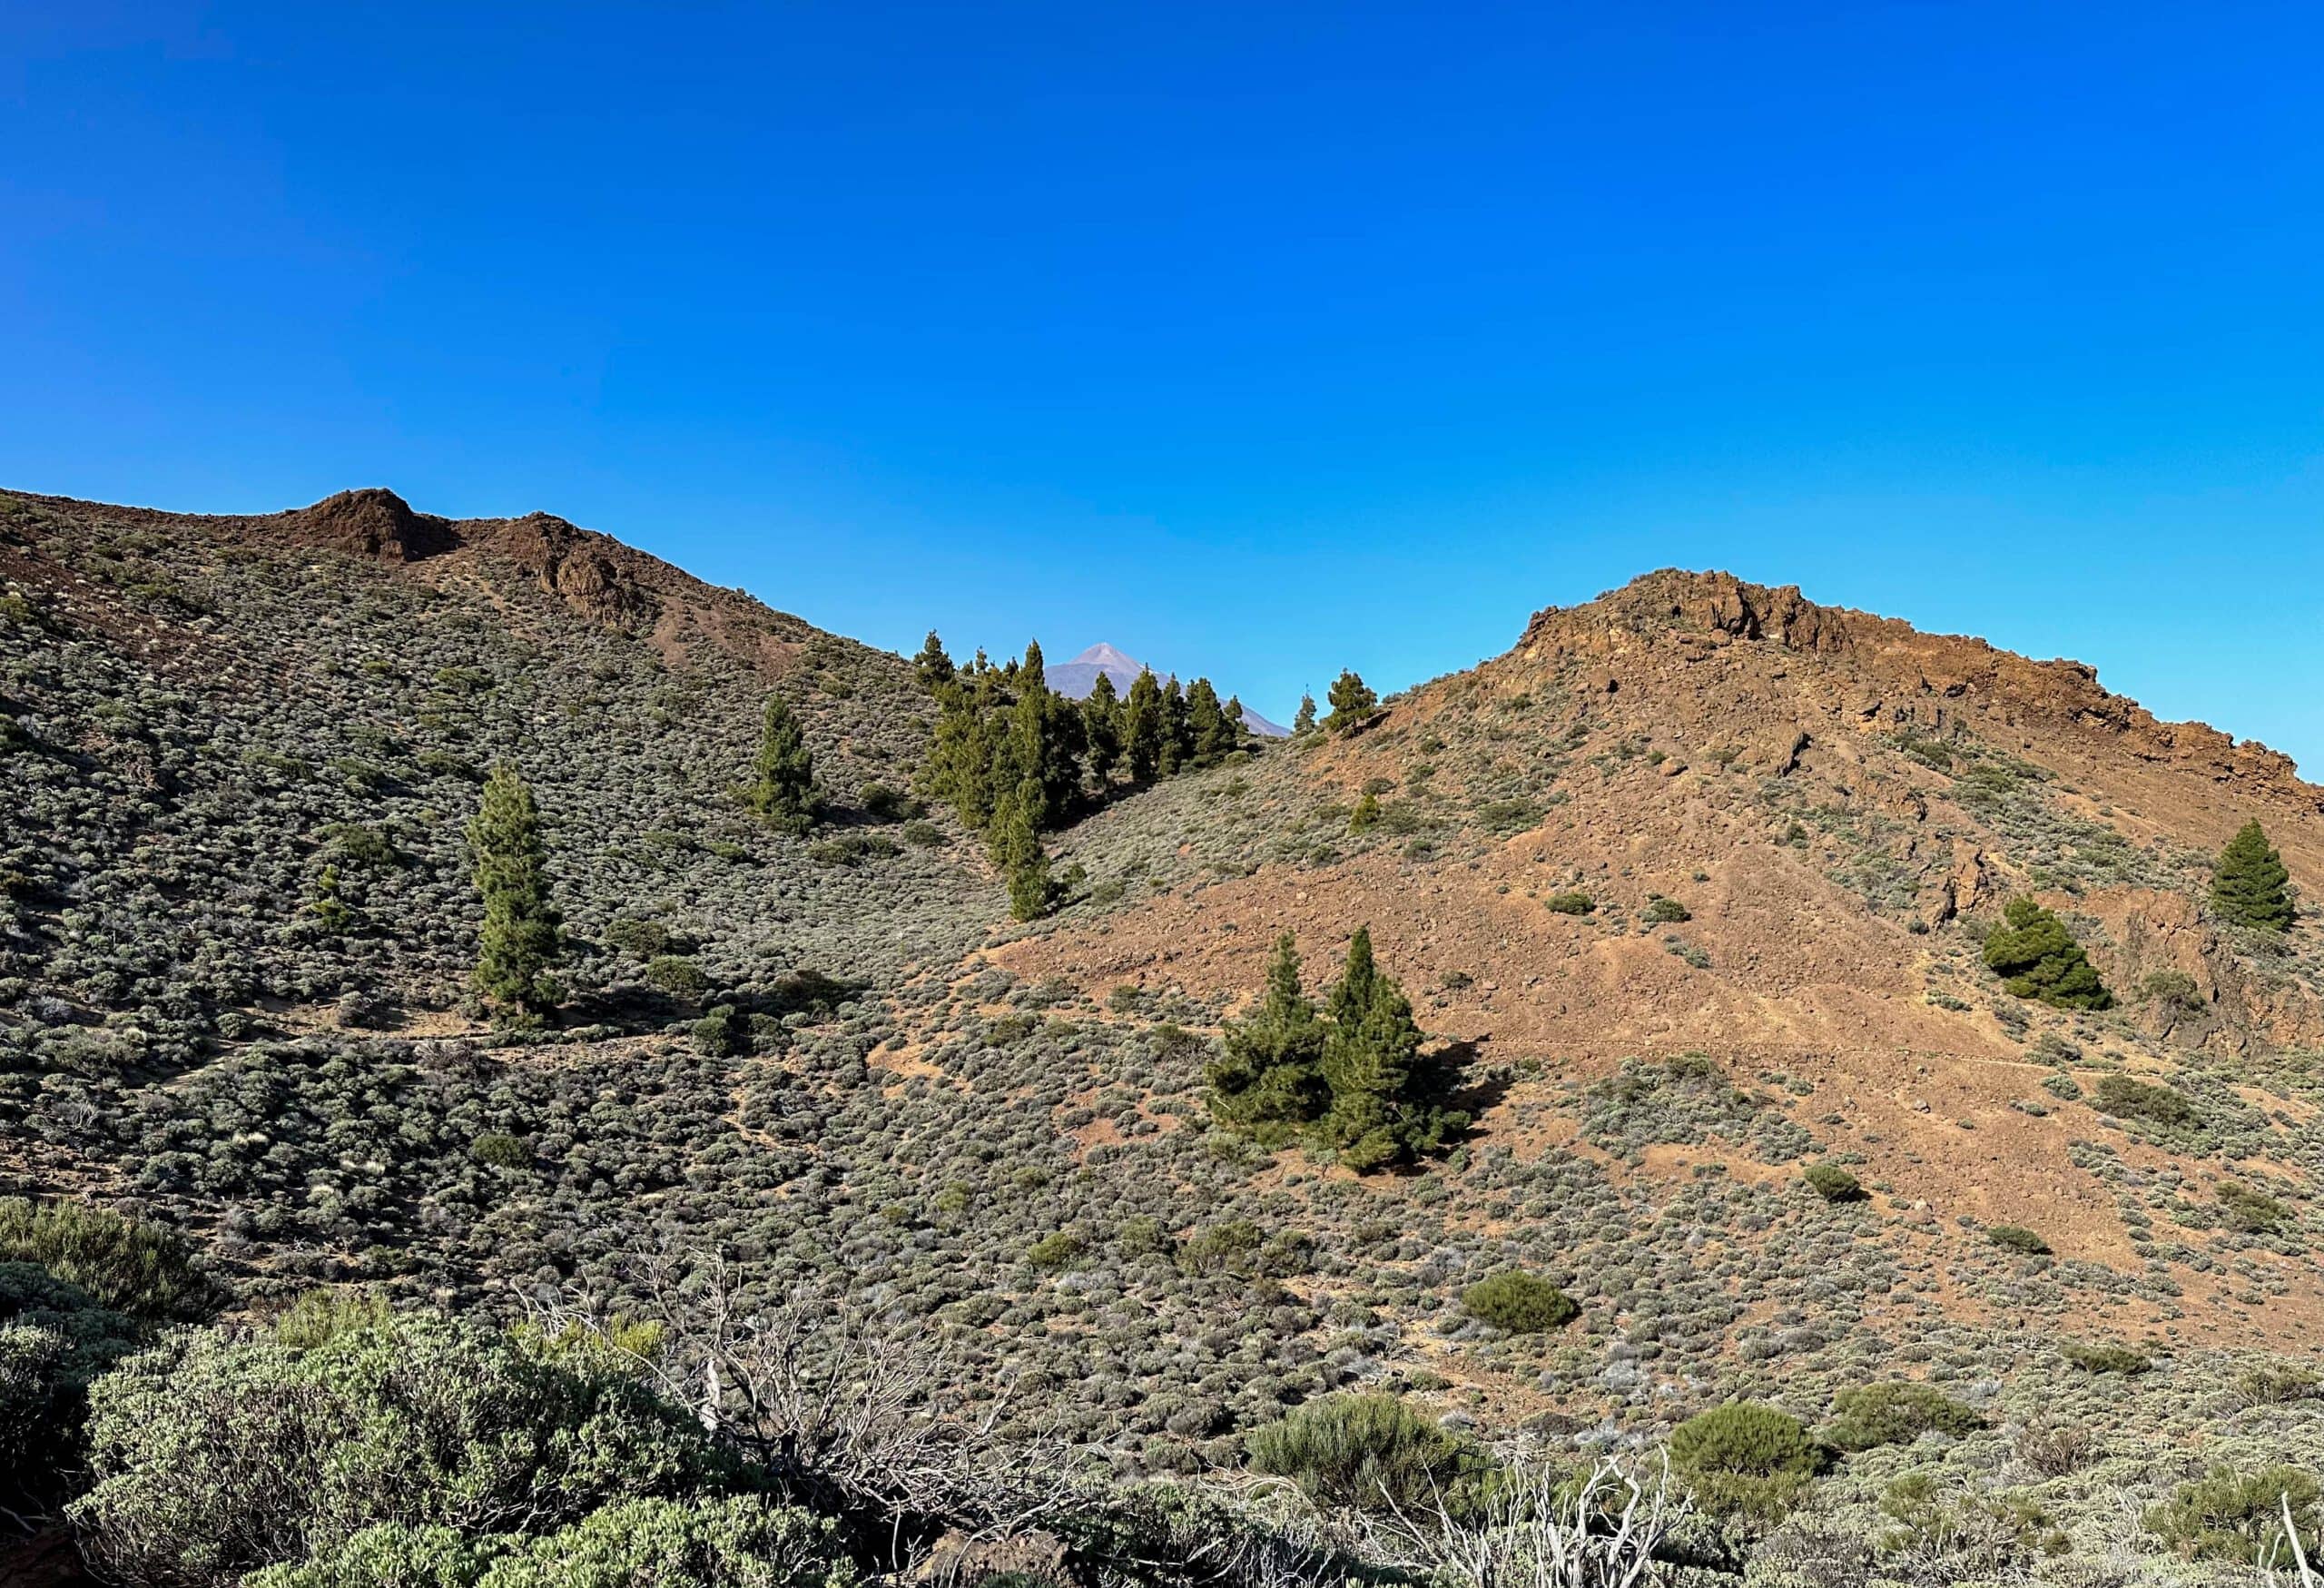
1745,1458
219,1453
2106,1358
742,1540
677,976
1874,1415
2232,1516
2016,1238
1570,904
1522,1304
125,1264
1833,1183
1367,1453
2125,1099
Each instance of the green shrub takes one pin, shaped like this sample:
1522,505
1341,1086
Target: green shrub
322,1314
1366,1453
219,1454
2036,957
1745,1459
2105,1359
2125,1099
723,1032
2277,1384
2173,988
1570,903
677,976
1874,1415
501,1151
1662,910
739,1542
1522,1304
125,1263
2252,1211
1968,1535
644,939
2231,1515
2016,1238
1833,1183
1055,1250
55,1339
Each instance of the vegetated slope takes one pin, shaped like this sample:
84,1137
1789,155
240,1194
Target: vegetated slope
1834,808
1002,1131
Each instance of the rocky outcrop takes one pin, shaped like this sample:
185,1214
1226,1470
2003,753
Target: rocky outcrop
373,523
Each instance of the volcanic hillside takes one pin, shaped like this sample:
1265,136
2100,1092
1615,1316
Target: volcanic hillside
1689,889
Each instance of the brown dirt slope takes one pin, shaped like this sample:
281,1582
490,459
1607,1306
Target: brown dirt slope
1837,806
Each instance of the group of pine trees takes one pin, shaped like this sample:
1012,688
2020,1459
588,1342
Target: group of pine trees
1015,759
1348,1076
2035,955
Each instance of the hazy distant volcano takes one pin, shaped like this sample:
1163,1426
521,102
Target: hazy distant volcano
1078,676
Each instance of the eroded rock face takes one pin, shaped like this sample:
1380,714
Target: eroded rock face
375,523
593,575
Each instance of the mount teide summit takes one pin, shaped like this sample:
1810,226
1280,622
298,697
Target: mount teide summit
1075,679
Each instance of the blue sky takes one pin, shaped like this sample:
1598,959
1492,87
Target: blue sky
1260,341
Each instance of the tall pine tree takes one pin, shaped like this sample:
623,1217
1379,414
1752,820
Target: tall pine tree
783,789
2250,886
932,664
1305,723
1268,1081
1177,739
1209,738
1101,729
1142,728
1383,1108
522,938
1017,850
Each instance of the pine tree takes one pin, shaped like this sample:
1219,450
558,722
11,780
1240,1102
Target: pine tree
1305,723
1353,702
2037,958
782,791
1209,738
2250,886
1101,729
1267,1082
1017,850
1044,736
1177,736
1382,1108
932,664
522,937
965,755
1235,715
1142,727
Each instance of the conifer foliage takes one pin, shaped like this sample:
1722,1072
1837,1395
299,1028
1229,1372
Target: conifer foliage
2250,886
1351,1076
2037,958
782,788
1353,702
522,938
1269,1081
1015,759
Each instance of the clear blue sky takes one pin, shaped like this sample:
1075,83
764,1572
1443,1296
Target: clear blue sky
1258,340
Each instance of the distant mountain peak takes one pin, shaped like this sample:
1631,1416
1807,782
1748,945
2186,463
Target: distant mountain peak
1109,658
1075,678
